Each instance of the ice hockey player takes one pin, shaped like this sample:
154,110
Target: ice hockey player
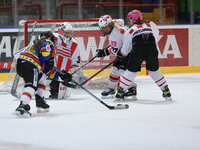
67,57
115,30
33,66
140,42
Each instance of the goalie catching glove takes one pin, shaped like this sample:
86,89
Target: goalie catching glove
65,76
102,52
79,77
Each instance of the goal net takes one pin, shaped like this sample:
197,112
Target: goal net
88,36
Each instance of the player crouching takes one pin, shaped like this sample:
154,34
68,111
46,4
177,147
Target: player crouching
68,59
34,66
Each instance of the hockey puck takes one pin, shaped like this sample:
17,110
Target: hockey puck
123,106
126,106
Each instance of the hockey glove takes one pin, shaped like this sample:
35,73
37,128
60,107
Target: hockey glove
65,76
48,35
50,63
36,40
102,52
120,57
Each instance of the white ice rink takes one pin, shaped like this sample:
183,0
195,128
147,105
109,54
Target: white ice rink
82,123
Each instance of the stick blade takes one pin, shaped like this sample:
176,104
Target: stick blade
119,106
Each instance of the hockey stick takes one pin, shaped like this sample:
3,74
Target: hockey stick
27,47
75,86
53,27
71,85
17,77
119,106
99,71
84,65
87,62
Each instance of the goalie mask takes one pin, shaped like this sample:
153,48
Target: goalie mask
106,24
65,31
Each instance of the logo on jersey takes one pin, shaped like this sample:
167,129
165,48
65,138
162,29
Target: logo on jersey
142,30
114,43
48,48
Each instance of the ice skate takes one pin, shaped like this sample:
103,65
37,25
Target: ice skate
132,92
42,106
120,94
166,93
55,96
108,94
54,89
23,110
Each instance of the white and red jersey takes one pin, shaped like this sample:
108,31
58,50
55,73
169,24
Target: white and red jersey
116,36
138,30
67,55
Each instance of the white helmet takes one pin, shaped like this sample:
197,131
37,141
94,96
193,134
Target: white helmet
104,21
65,27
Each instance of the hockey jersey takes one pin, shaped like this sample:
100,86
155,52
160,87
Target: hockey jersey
136,30
67,55
116,36
38,56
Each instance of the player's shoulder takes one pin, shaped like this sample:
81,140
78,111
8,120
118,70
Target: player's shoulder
120,21
74,40
152,23
130,30
48,44
55,34
115,32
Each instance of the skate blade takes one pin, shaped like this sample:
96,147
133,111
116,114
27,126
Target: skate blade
130,98
108,97
119,100
168,98
41,110
25,115
126,98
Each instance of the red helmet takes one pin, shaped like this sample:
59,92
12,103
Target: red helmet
134,15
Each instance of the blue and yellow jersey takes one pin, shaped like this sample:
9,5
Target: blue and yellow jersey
38,56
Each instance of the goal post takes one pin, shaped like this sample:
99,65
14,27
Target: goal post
88,36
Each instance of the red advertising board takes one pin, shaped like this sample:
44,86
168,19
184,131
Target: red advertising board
5,65
174,47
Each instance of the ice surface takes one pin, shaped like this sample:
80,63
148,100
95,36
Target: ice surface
83,123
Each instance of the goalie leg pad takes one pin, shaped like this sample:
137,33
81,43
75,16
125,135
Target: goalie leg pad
64,91
83,79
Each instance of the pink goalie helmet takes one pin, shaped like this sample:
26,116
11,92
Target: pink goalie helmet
134,15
